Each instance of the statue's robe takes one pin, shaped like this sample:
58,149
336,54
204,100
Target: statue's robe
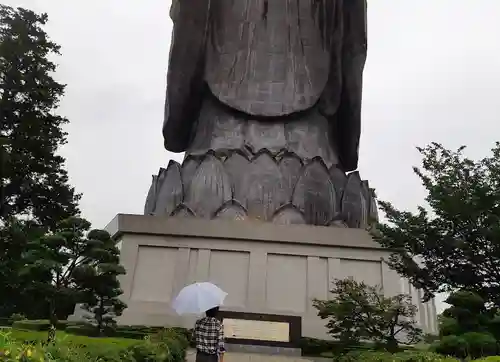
268,59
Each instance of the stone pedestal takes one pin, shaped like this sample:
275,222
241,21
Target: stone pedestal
265,268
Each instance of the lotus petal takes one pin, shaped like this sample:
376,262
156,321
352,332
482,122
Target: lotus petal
373,213
264,189
236,166
353,203
231,210
182,211
171,192
366,196
290,166
339,180
149,206
287,215
209,188
189,167
314,193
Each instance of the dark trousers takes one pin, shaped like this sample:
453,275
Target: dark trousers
205,357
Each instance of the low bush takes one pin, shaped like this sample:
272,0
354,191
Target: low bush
316,347
82,330
451,346
326,348
468,345
164,346
38,325
34,337
397,357
5,322
17,317
124,331
480,344
408,356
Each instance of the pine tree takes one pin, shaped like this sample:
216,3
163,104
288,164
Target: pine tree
56,258
100,284
33,181
14,298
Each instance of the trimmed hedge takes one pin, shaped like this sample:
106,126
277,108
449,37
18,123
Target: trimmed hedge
5,322
38,325
319,347
132,332
124,331
34,337
83,329
164,346
468,345
397,357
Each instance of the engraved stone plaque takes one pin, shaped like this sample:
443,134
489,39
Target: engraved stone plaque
256,330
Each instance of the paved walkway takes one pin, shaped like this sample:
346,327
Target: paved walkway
251,357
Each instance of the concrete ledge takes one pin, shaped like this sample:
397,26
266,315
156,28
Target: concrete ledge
240,230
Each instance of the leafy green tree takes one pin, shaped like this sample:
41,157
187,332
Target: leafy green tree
33,181
464,327
14,298
361,312
100,284
467,313
453,242
59,256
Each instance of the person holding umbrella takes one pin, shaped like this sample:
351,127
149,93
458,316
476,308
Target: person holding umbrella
208,331
209,337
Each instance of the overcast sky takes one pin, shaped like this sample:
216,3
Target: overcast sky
432,74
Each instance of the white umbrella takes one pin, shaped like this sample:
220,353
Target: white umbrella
198,298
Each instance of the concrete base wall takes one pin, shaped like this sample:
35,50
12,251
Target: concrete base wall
264,268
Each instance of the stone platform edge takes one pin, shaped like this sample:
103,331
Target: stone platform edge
240,230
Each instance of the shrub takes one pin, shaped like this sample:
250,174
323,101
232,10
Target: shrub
315,347
132,332
319,347
34,337
430,338
397,357
170,339
362,312
14,350
17,317
166,346
480,344
5,322
471,345
82,330
38,325
451,346
364,357
124,331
